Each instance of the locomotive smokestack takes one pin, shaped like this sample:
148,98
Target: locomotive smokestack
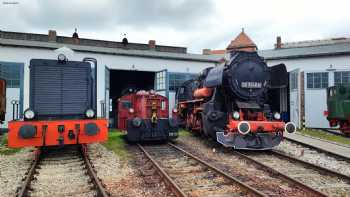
278,42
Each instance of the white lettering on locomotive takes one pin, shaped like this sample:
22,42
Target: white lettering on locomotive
250,84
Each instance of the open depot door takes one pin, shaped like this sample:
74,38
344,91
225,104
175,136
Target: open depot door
294,89
105,105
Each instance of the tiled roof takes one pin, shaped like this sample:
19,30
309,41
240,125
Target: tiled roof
242,42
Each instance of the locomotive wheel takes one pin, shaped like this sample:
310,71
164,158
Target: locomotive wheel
204,127
199,124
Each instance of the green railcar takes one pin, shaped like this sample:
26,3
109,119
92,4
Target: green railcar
338,106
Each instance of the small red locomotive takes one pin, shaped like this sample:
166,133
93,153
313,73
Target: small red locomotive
2,100
145,117
62,105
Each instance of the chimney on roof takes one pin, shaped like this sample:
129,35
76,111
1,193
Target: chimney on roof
152,44
52,36
75,37
206,51
278,42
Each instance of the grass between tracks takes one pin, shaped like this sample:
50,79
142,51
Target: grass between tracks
326,136
184,133
4,150
117,143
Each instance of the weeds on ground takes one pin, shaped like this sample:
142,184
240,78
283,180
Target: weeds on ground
326,136
4,150
184,133
116,142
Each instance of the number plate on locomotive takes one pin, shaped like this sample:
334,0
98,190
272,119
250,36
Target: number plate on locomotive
250,84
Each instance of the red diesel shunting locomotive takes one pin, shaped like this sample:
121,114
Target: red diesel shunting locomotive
62,107
234,103
145,117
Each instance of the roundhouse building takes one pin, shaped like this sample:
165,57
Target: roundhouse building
120,65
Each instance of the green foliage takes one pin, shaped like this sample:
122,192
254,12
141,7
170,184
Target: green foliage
116,143
4,150
326,136
184,133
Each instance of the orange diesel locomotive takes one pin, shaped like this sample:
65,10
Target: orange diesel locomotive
62,105
145,117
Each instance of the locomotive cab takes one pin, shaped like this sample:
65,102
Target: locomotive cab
62,105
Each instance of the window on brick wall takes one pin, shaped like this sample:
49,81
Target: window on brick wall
11,73
317,80
177,79
342,78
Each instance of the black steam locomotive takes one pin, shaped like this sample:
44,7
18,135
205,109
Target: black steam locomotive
235,102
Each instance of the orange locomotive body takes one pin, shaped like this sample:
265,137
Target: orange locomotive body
145,117
62,108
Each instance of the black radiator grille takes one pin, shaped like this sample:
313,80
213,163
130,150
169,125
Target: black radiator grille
58,90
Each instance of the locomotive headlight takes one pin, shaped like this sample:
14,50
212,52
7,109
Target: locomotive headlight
62,58
90,113
131,110
236,115
29,114
277,116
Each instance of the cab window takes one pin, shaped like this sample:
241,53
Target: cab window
126,104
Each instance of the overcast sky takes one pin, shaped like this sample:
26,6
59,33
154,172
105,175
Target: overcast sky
195,24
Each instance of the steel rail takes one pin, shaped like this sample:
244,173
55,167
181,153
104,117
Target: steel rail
318,149
268,168
169,181
22,192
101,192
30,174
318,168
246,187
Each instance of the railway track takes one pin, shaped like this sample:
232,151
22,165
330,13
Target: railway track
335,132
327,182
335,155
63,171
187,175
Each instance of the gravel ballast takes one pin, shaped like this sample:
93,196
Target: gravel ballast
255,176
314,156
122,178
13,169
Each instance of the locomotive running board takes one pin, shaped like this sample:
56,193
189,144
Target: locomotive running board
238,141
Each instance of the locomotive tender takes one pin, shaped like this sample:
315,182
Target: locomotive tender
62,105
338,107
145,117
233,102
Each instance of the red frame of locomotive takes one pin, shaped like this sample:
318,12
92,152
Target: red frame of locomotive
47,132
258,125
